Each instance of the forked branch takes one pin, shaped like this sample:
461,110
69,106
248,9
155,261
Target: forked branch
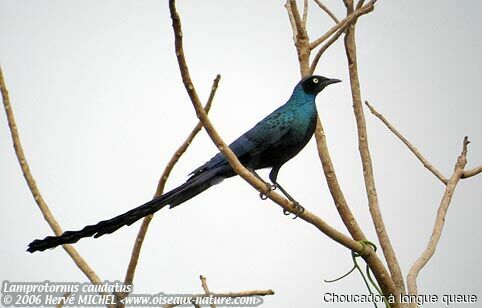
439,221
344,23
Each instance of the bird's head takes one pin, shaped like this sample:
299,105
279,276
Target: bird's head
315,84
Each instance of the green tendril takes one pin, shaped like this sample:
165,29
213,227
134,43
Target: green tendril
354,256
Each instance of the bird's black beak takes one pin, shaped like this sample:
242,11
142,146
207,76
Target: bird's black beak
330,81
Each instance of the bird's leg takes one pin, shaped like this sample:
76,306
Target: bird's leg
268,185
273,175
299,209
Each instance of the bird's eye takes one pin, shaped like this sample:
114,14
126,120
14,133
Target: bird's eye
315,80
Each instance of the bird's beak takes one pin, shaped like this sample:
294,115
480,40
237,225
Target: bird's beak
330,81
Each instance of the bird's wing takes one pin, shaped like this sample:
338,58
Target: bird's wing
264,134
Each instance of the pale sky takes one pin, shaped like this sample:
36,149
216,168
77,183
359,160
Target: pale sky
101,108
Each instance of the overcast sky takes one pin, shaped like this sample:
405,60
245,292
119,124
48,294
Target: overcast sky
101,108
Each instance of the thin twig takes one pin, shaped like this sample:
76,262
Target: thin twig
47,214
204,285
229,294
292,19
471,172
305,13
327,45
297,17
300,36
411,147
327,11
160,187
389,253
439,222
349,19
359,4
335,37
259,185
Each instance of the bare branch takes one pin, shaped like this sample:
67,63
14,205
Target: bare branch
359,4
300,37
292,20
369,255
471,172
160,187
439,222
411,147
305,13
47,214
204,285
389,253
327,45
344,211
347,20
349,5
230,294
335,190
297,17
327,11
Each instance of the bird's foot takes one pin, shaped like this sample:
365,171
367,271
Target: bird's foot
297,211
270,187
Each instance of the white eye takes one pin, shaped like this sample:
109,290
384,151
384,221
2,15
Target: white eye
315,80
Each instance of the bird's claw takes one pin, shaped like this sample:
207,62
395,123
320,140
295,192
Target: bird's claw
270,187
298,209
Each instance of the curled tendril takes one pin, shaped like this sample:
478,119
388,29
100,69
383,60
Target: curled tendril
354,256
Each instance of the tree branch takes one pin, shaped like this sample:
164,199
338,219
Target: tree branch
327,45
297,18
327,11
335,190
389,253
305,13
292,20
471,172
347,20
439,222
32,185
204,285
411,147
300,36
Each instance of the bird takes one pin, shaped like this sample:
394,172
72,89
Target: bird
272,142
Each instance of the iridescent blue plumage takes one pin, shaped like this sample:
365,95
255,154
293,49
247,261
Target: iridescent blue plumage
269,144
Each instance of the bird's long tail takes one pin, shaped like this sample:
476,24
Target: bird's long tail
186,191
